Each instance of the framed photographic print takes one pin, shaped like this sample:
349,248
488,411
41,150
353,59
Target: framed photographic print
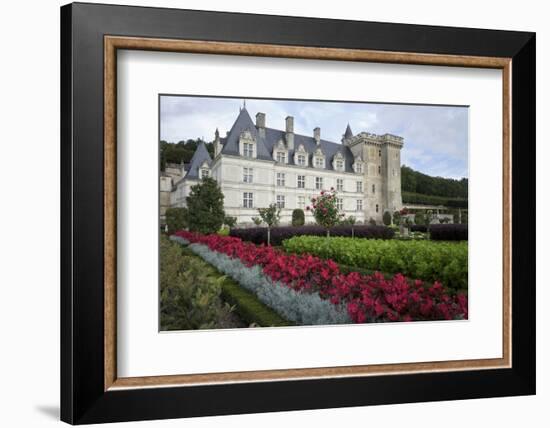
265,213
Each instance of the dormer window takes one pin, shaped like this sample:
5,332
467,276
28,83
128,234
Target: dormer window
280,152
300,156
319,159
319,162
204,170
247,145
248,150
338,162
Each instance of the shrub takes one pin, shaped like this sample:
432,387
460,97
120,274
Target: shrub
309,290
372,221
446,262
176,219
230,221
386,218
298,217
205,207
258,235
419,228
189,297
420,219
449,232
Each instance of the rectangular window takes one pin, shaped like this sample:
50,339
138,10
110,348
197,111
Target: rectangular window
359,168
339,185
248,150
319,162
359,204
339,165
319,183
301,202
301,160
280,179
281,157
359,187
373,189
339,204
379,153
248,201
247,175
204,173
376,207
301,182
280,201
379,170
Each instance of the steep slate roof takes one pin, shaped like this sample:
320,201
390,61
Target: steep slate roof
348,132
201,154
244,123
264,146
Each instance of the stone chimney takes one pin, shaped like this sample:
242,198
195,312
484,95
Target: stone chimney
289,132
260,124
317,135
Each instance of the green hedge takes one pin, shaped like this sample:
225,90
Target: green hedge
446,262
248,308
421,199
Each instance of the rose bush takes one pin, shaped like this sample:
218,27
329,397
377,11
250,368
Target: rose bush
368,298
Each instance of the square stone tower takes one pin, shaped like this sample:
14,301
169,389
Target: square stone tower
381,155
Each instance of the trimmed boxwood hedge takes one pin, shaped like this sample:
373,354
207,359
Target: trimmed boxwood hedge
449,232
258,235
421,199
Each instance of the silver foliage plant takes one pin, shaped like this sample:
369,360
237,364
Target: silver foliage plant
301,308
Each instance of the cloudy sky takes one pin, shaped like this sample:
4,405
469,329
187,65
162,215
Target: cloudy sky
436,137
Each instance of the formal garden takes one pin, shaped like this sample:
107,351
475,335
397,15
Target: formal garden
217,275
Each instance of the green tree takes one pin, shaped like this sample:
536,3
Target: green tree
298,217
176,219
270,216
352,220
257,220
325,211
205,207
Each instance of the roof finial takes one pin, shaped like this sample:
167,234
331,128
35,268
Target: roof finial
244,104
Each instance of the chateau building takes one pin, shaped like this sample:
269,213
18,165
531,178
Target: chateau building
256,166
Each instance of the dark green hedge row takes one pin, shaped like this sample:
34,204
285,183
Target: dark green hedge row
258,235
420,199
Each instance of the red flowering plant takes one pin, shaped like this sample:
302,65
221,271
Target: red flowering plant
325,210
367,298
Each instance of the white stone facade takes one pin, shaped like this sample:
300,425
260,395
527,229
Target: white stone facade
257,166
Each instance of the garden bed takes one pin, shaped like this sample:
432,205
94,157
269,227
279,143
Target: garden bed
446,262
309,290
